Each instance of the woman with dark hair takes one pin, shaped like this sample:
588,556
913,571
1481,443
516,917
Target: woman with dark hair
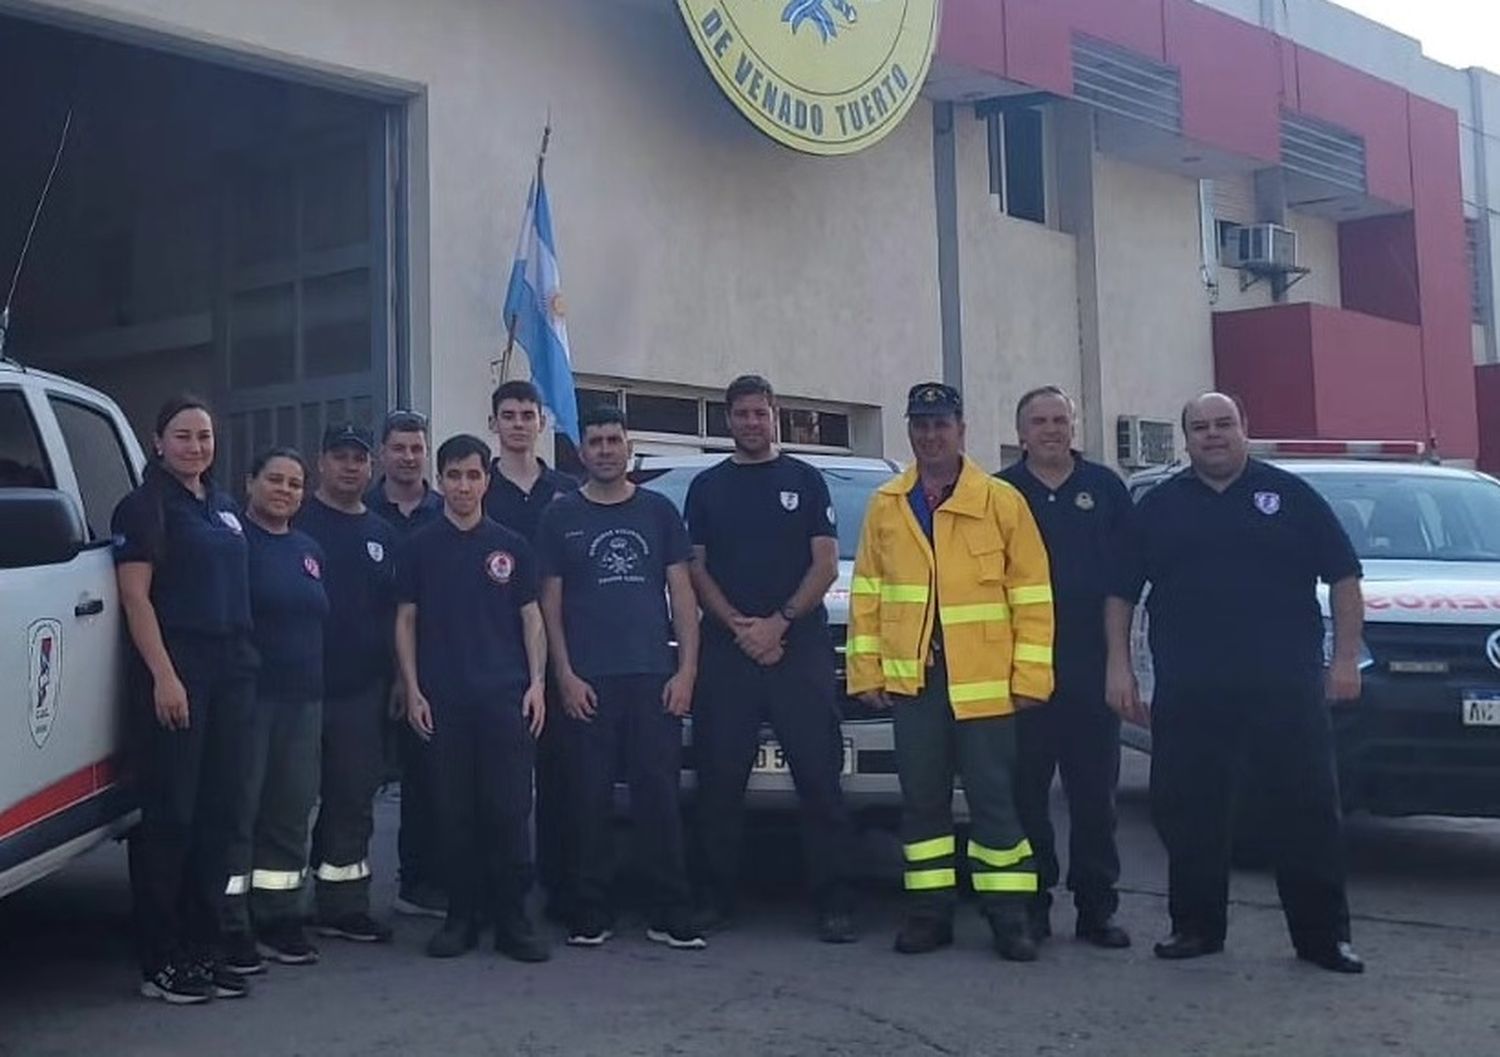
281,754
182,564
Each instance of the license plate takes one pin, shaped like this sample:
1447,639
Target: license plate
1482,708
770,758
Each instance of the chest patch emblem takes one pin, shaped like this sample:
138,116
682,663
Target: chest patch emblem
499,566
311,567
1268,503
790,500
230,521
375,550
1083,501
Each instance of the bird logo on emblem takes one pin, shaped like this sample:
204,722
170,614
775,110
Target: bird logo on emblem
821,13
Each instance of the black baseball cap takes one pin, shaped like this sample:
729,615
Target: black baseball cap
347,434
933,398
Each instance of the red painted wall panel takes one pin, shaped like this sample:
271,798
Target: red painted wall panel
1038,45
1378,267
1261,355
1231,80
1487,387
1366,374
972,34
1373,108
1132,24
1443,271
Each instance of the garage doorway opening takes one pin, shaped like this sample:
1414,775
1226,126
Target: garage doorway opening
210,229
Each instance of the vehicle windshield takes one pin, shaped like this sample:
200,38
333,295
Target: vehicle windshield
850,489
1415,517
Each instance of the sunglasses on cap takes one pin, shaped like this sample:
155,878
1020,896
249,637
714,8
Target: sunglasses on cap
404,421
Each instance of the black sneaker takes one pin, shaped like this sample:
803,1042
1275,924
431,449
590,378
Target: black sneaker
178,985
421,900
592,929
516,937
242,956
677,930
456,937
222,980
360,928
285,942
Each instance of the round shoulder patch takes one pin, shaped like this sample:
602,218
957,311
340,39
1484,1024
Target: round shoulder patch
231,521
500,566
311,567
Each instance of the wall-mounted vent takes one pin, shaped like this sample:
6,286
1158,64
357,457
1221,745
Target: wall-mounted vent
1127,84
1323,152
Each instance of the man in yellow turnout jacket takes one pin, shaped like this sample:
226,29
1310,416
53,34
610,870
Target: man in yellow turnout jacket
951,628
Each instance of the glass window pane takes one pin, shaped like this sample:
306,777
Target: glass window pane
802,426
265,217
336,324
99,462
662,414
23,464
716,419
336,198
261,346
588,399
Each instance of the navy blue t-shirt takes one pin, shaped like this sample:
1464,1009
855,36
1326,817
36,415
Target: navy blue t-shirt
469,588
427,510
360,578
289,606
612,559
1083,524
1234,575
520,511
756,523
196,547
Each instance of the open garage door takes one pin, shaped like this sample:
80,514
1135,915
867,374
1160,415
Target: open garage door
210,229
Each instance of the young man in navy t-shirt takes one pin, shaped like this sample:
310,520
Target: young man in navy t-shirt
473,652
610,555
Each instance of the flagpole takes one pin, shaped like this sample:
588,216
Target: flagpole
510,324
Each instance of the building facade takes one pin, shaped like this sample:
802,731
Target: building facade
309,211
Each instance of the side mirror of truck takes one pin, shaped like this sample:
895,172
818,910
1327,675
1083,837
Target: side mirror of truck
39,526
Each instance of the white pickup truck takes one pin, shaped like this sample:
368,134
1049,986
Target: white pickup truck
1424,739
67,456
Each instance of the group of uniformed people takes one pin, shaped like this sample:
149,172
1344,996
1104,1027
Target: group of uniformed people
989,614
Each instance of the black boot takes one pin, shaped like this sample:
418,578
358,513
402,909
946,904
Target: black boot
457,936
516,937
923,933
1012,934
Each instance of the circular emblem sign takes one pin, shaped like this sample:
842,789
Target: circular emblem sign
822,76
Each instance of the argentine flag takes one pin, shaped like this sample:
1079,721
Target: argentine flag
534,301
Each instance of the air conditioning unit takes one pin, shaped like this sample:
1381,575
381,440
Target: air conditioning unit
1266,248
1143,442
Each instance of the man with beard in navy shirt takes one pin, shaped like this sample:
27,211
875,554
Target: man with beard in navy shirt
473,652
358,574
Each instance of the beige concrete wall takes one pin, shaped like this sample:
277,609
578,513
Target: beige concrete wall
1020,302
692,247
1156,346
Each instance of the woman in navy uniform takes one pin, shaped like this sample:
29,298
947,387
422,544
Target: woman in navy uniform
282,750
182,563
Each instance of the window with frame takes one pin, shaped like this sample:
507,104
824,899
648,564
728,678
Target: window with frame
1477,299
1017,159
23,460
100,465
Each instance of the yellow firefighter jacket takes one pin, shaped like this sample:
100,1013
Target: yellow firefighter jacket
988,583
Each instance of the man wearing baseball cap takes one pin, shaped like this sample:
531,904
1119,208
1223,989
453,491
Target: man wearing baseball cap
951,629
358,575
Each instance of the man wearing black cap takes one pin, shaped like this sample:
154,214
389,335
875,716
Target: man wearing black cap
951,628
359,549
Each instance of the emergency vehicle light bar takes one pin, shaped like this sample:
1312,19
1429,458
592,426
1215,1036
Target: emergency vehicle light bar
1340,449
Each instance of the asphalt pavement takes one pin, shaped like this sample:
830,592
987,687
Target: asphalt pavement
1424,893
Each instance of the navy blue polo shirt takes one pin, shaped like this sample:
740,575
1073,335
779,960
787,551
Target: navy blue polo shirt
520,511
359,576
427,510
196,548
289,606
469,588
1234,576
1083,524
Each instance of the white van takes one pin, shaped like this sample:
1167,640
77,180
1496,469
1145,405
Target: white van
67,456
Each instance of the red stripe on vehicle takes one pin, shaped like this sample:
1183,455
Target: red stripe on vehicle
59,796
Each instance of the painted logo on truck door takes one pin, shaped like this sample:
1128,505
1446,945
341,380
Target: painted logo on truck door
43,677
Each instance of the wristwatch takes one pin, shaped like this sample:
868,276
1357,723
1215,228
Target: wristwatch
788,613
